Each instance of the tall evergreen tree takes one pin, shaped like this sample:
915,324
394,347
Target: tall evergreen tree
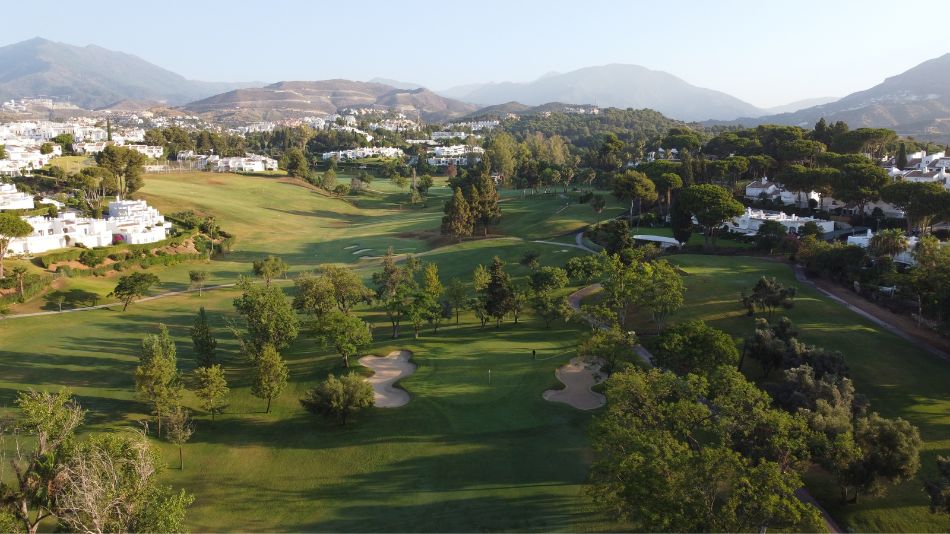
901,157
485,207
499,293
457,221
203,339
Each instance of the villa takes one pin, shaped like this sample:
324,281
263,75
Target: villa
749,222
130,221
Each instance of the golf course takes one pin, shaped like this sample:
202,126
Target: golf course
469,443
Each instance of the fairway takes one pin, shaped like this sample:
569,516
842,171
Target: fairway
463,454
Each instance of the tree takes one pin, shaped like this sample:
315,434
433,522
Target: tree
939,488
901,160
52,418
11,227
296,164
661,290
179,430
19,275
889,242
270,376
111,483
608,346
695,347
270,268
339,397
270,319
347,333
457,295
457,221
884,452
315,296
920,201
125,164
769,294
395,287
770,235
636,188
198,279
203,340
212,389
666,184
157,380
133,286
681,222
500,153
499,293
667,458
711,205
483,201
347,288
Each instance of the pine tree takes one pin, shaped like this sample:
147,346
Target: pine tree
203,339
157,380
457,221
485,209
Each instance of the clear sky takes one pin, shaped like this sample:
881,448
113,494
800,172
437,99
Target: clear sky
767,52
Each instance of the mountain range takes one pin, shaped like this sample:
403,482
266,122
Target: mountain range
93,77
615,85
289,99
915,102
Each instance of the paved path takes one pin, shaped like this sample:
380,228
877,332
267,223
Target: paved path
575,299
101,306
579,239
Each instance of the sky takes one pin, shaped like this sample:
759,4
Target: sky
766,52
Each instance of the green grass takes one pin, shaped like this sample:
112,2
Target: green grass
899,379
463,455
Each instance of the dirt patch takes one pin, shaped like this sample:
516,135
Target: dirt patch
386,372
213,181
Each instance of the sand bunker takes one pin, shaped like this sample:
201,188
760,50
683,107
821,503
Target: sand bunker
362,250
578,377
350,247
387,371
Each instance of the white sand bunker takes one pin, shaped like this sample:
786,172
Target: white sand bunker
362,250
350,247
578,377
388,371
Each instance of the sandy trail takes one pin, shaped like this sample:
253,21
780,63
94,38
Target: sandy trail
387,371
578,377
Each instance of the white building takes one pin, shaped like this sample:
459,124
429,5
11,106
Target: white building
130,221
441,136
11,199
149,151
749,222
365,152
906,256
762,189
457,150
92,147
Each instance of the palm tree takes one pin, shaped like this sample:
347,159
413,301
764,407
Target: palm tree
890,242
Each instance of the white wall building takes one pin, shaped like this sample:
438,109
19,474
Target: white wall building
749,222
762,189
11,199
148,150
130,221
365,152
906,257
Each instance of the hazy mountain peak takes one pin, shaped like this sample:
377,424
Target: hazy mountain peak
92,76
614,85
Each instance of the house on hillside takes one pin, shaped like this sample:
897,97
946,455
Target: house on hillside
762,189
